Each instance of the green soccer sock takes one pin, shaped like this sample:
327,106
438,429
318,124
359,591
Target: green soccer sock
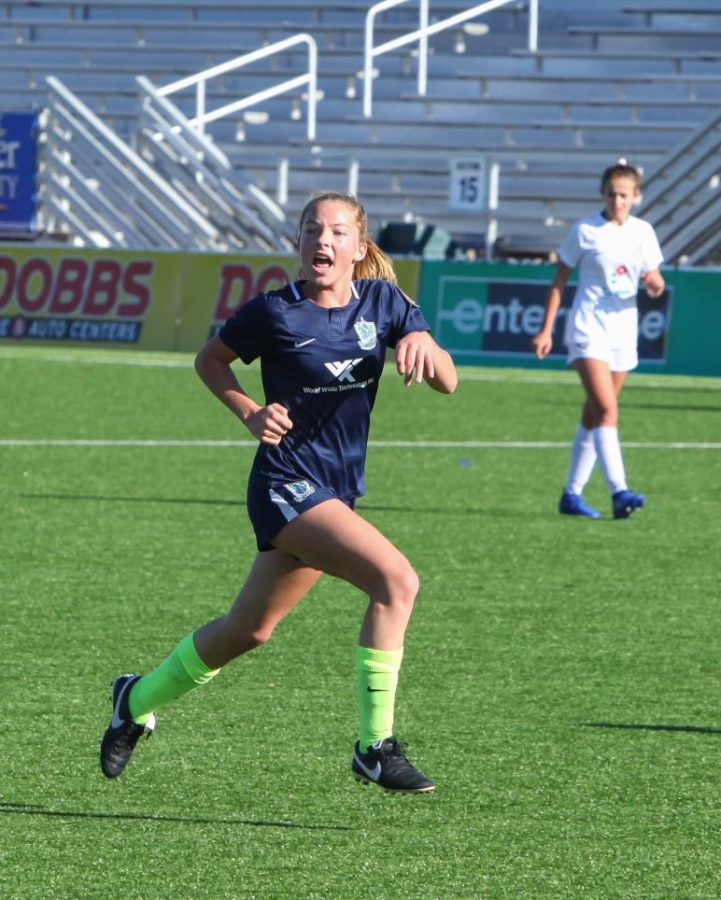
377,678
175,676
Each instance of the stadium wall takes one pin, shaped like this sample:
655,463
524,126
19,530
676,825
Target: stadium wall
485,314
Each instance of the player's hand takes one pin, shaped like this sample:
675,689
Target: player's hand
542,344
653,283
269,423
414,357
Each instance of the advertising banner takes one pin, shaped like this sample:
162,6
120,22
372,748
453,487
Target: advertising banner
484,314
148,300
214,286
488,314
126,298
694,346
18,174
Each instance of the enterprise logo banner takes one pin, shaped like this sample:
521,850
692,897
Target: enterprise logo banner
480,316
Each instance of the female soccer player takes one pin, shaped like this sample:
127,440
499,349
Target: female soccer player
613,251
321,343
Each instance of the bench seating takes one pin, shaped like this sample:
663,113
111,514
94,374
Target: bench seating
602,37
674,10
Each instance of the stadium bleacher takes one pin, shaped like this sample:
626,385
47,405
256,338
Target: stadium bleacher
630,79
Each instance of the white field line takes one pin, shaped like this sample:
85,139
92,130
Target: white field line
413,445
91,360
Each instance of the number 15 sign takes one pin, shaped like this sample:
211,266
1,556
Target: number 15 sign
467,186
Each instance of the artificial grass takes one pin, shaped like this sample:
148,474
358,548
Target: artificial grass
560,681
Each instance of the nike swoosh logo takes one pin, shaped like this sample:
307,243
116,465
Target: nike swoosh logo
377,690
374,774
304,343
117,722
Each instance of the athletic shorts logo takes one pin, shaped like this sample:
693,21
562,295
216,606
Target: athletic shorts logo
299,490
367,335
303,343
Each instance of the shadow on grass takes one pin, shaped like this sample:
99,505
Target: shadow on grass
673,407
673,388
210,501
32,809
360,507
101,498
694,729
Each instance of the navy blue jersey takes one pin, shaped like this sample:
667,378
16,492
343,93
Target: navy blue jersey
323,365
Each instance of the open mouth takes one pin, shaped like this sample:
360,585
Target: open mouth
321,262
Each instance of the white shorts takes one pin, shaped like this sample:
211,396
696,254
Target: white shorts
611,336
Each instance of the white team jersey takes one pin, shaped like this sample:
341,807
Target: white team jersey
603,321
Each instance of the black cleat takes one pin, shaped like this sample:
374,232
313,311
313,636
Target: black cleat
123,734
385,764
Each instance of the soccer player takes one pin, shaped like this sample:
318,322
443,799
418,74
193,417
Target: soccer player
613,251
321,342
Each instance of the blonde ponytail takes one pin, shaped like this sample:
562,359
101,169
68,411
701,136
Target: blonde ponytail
375,264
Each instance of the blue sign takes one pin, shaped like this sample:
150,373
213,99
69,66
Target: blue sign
18,174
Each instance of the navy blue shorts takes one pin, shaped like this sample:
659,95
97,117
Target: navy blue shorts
272,505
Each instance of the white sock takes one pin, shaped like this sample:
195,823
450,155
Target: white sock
583,459
610,459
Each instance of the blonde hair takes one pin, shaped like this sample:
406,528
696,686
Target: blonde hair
376,263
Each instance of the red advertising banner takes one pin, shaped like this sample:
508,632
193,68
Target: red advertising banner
215,286
148,300
88,297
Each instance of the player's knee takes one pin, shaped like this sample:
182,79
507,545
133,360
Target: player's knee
404,586
608,417
604,412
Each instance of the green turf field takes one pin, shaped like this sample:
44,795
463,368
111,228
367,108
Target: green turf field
561,681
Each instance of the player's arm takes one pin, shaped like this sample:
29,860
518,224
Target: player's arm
213,365
419,358
543,341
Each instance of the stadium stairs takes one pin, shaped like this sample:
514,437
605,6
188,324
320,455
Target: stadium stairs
641,81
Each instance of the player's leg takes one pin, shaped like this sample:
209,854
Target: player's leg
624,501
275,584
603,388
583,460
335,539
332,537
601,394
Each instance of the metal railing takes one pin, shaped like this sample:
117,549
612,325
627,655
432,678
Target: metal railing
245,215
309,80
682,197
100,191
421,35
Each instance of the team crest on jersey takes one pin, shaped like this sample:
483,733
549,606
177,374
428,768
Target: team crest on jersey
367,335
299,490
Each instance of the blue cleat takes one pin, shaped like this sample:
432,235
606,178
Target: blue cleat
575,505
625,502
